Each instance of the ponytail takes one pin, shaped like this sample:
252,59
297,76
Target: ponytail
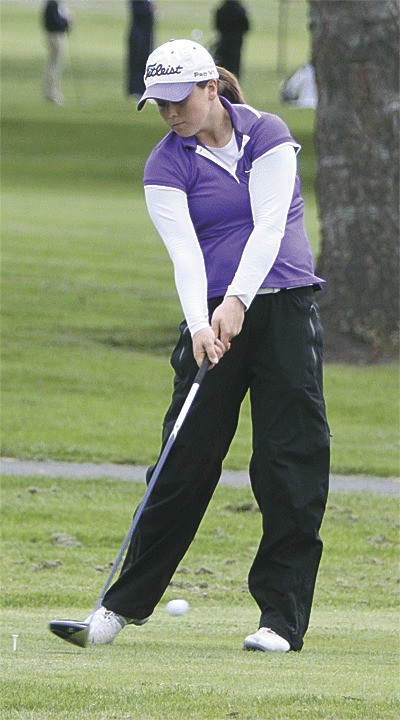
228,86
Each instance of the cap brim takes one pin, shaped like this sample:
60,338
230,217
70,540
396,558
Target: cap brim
171,92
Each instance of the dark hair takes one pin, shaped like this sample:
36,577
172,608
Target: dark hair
228,86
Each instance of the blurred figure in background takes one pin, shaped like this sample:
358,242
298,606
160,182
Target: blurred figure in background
231,22
56,23
140,44
300,89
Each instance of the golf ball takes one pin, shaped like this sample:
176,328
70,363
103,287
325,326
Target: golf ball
177,607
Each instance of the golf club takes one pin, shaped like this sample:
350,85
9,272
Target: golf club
75,632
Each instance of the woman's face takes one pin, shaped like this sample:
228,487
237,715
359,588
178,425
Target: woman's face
192,115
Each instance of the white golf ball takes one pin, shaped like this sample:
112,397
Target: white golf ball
177,607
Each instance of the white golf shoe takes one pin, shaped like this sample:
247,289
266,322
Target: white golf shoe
266,640
106,624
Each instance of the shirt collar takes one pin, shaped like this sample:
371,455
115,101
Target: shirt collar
236,118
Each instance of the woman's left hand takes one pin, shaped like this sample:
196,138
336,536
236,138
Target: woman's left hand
227,319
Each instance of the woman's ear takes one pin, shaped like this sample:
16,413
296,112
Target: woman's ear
212,88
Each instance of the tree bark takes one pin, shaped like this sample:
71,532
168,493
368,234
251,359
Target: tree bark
355,51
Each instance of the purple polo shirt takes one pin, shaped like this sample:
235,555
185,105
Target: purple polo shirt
219,203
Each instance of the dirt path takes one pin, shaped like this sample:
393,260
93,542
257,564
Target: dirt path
50,468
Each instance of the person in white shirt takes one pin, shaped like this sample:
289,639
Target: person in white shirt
300,89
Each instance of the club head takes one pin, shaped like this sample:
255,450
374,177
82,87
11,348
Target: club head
74,632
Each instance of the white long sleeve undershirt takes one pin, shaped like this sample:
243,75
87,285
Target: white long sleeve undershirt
271,185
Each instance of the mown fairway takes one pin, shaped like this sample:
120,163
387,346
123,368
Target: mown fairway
59,538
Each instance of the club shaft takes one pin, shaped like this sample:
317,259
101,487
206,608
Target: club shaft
156,472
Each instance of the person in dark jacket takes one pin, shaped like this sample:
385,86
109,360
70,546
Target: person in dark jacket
231,21
140,44
56,23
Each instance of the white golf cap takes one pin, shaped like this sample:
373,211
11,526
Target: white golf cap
173,70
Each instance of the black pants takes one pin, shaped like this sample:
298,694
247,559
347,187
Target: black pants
278,358
140,45
228,51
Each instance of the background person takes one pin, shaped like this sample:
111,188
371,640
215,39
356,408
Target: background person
56,23
223,192
140,44
231,21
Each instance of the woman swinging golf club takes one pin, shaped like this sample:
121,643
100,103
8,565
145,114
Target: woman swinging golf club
223,192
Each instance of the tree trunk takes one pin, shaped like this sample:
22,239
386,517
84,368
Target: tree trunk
355,47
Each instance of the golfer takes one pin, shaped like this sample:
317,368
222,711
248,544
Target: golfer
223,192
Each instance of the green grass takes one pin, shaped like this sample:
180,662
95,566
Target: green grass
89,317
89,308
193,666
